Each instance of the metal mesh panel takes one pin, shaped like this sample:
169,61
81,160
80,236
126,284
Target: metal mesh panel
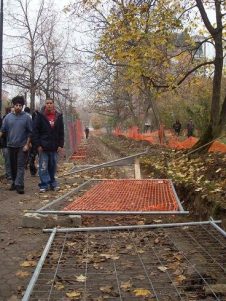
170,264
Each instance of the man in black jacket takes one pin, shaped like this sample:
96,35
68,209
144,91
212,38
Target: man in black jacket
48,138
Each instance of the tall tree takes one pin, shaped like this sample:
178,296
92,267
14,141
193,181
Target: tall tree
218,107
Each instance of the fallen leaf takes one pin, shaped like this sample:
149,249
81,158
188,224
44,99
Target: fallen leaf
71,244
180,278
198,189
107,256
73,294
28,263
162,268
140,251
126,285
59,286
140,223
106,289
141,292
179,257
81,278
22,274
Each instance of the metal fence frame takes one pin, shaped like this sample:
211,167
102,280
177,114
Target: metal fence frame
43,210
53,232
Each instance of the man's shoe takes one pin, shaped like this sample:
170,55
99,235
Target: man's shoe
12,187
20,189
41,190
55,188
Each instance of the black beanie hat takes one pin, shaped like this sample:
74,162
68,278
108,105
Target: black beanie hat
18,100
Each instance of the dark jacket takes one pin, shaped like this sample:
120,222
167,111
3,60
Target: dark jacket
3,139
49,138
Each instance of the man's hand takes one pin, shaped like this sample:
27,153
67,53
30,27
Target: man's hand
26,147
59,149
40,149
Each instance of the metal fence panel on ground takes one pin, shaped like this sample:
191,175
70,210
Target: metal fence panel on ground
179,263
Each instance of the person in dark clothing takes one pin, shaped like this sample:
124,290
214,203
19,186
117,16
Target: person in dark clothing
32,152
18,128
87,132
177,127
27,110
3,146
48,139
190,128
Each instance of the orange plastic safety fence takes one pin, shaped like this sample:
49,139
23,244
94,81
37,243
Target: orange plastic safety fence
217,147
127,195
167,138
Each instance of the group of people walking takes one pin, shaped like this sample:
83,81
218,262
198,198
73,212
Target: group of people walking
190,128
42,134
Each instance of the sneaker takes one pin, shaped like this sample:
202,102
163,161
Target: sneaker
55,188
12,187
20,189
41,190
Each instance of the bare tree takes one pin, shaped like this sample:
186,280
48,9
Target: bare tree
42,49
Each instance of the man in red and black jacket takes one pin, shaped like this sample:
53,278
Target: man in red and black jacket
48,138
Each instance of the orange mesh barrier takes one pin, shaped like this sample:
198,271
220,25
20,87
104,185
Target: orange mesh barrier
80,154
188,143
217,147
79,132
168,138
128,195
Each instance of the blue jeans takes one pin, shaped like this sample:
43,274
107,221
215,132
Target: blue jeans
47,169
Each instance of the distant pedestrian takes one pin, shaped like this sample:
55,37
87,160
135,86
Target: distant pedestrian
177,127
48,139
87,132
190,128
161,134
27,110
17,126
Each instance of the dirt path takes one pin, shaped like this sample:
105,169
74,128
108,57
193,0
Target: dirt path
17,243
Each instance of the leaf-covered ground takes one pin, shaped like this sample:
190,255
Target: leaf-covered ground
200,180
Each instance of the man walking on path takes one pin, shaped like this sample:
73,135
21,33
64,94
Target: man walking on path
87,132
177,127
48,138
17,127
190,128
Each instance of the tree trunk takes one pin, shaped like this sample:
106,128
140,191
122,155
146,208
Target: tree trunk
32,100
217,114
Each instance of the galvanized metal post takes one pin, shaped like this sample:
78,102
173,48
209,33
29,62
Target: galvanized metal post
37,271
